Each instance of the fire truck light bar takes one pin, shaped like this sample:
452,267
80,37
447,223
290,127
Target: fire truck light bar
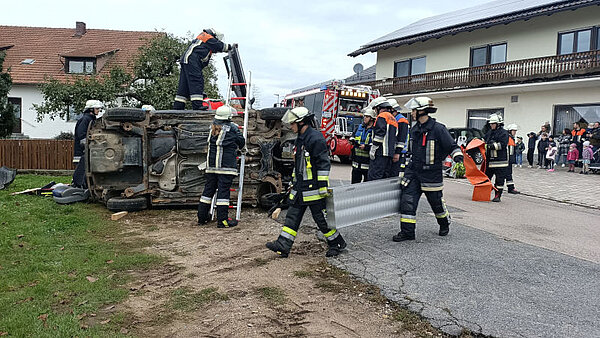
350,93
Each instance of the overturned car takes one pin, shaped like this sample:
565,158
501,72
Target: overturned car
138,159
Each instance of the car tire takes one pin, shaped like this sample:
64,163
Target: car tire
127,204
271,114
124,114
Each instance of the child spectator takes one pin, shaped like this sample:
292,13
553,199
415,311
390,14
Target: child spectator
531,147
587,156
542,147
551,155
519,152
572,157
564,141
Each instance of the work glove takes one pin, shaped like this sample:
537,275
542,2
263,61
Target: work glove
372,152
459,159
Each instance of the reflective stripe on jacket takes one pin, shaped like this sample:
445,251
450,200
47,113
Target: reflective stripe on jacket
384,134
497,147
201,49
360,157
311,168
221,157
402,135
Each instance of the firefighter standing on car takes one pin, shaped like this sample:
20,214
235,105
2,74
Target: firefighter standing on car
91,110
402,137
383,150
430,144
196,57
310,181
221,167
496,140
512,158
361,144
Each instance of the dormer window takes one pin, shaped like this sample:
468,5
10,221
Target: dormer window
80,65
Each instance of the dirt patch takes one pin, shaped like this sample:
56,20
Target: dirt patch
224,282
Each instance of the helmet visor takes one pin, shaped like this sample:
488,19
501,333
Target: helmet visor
289,117
412,104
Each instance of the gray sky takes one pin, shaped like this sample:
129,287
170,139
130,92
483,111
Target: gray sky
286,45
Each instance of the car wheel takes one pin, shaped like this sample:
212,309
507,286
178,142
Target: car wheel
270,114
127,204
478,158
124,114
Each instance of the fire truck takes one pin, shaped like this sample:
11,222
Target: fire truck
337,110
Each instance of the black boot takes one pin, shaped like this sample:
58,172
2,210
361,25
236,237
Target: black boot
497,196
444,225
336,246
203,216
227,223
281,246
401,237
512,190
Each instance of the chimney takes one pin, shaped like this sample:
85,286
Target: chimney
79,28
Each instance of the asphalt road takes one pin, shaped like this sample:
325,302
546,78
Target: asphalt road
526,267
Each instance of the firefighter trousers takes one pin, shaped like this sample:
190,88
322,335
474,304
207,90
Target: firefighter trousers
359,175
294,217
379,168
191,87
221,184
500,173
410,201
509,178
398,167
79,180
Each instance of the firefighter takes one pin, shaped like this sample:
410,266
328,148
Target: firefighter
383,150
221,167
361,141
512,133
402,137
91,110
496,140
309,184
196,57
430,144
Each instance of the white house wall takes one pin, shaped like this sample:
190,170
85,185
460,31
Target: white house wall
29,125
536,37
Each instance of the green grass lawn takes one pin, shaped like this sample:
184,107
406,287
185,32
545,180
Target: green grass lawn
61,266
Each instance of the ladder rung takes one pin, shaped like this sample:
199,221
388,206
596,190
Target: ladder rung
238,98
239,84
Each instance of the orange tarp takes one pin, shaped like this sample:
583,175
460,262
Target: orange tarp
481,183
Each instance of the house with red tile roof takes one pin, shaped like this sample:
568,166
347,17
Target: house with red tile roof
34,54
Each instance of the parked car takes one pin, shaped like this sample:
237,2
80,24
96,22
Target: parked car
463,136
139,159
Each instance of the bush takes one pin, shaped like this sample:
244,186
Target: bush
65,135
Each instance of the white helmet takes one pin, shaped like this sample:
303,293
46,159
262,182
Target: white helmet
148,107
224,112
216,34
512,126
495,118
368,111
394,104
421,103
295,115
93,104
380,102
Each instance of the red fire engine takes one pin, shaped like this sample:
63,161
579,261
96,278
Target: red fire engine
337,109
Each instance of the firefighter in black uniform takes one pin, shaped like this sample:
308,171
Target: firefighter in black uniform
91,110
512,158
402,133
361,144
309,184
196,57
383,151
430,144
496,140
221,167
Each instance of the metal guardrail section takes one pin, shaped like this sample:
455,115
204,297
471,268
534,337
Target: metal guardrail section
353,204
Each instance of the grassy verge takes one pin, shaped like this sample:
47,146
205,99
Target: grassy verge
62,267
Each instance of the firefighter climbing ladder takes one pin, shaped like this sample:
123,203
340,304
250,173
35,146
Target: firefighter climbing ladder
246,105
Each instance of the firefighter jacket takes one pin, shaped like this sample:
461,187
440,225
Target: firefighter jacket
384,134
497,147
81,128
430,144
362,136
310,179
403,134
512,158
222,148
202,48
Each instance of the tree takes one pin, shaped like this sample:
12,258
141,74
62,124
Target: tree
154,81
7,112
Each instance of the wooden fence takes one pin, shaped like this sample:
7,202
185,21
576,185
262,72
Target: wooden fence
37,154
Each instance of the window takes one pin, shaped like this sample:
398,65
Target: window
478,117
81,66
488,55
566,115
583,40
409,67
17,104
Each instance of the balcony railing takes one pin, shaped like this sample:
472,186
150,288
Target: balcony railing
520,71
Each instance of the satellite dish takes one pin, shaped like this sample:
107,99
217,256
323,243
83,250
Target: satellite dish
357,68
